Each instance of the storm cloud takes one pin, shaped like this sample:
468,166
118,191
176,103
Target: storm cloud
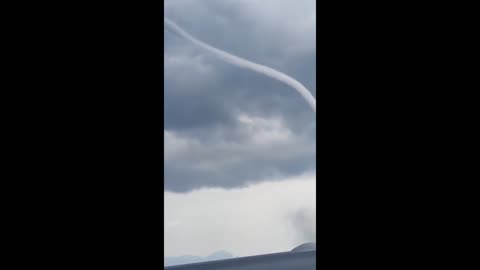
228,127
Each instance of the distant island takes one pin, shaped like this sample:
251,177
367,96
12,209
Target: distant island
185,259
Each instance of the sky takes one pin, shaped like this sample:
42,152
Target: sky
239,146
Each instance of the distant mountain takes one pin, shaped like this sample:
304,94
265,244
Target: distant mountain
169,261
185,259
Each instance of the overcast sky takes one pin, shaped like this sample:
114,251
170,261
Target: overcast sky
239,146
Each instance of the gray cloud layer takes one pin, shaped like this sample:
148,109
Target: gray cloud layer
229,127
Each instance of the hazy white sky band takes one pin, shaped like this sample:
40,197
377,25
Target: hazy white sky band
247,221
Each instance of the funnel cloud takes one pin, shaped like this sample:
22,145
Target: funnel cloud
243,63
227,126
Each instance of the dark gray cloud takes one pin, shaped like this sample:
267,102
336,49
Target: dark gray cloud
229,127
